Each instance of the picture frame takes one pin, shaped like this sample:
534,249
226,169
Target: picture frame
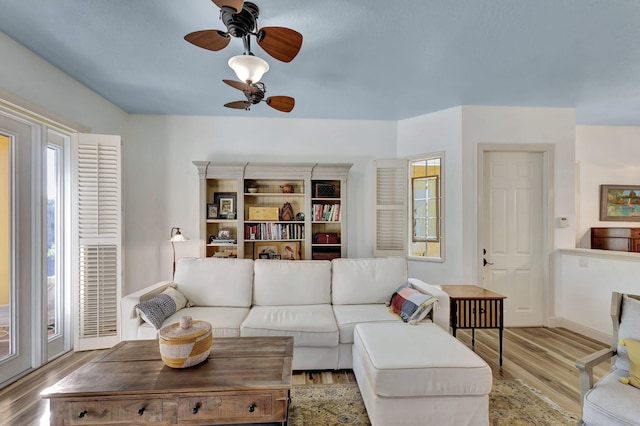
212,211
224,234
290,250
226,202
620,203
265,249
276,256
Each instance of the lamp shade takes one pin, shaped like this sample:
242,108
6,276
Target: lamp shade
248,68
177,236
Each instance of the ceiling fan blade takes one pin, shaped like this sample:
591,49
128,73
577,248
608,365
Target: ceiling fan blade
281,103
238,105
241,86
209,39
233,4
279,42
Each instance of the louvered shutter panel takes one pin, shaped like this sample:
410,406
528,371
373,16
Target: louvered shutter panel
390,233
98,248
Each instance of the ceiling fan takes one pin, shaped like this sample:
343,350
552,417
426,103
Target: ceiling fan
240,18
254,93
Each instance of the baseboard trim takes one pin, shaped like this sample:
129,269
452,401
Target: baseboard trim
580,329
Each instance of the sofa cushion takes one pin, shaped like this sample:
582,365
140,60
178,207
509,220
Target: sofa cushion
215,282
348,316
225,322
629,329
286,283
310,325
365,281
401,360
611,402
410,304
160,307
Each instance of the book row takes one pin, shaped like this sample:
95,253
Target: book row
326,212
274,231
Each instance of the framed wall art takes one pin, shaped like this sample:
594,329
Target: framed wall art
620,203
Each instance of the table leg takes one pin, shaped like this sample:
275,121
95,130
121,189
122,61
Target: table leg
473,337
500,346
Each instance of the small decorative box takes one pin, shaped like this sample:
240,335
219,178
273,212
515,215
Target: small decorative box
325,190
264,213
186,343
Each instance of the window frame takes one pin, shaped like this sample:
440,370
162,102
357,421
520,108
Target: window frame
439,200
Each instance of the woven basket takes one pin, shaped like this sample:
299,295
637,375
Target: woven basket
186,343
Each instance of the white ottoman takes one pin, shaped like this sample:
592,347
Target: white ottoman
419,375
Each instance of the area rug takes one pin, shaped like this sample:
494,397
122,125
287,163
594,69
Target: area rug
510,403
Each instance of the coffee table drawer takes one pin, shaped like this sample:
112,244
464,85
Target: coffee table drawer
93,412
232,408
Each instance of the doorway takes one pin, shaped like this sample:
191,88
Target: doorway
515,184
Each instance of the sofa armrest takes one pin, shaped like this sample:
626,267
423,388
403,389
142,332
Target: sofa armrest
585,366
129,320
441,312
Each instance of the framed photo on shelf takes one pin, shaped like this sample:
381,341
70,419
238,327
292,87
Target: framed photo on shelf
620,203
268,248
290,250
224,234
276,256
212,211
226,202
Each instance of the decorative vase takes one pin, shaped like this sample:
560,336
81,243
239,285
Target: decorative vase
287,188
186,343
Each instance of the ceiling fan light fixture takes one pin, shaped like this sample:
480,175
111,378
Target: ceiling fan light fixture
248,68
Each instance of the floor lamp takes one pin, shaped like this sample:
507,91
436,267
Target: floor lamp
176,237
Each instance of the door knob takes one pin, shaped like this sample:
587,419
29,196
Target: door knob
485,263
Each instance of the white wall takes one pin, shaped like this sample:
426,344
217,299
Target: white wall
425,134
161,183
606,155
32,79
588,277
458,131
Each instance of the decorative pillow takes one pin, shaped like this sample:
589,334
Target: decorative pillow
410,304
157,309
633,349
629,329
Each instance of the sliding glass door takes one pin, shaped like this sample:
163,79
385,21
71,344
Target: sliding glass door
17,241
34,312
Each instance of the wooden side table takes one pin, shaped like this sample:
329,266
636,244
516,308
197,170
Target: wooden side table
474,307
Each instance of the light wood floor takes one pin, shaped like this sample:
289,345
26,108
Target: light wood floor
544,358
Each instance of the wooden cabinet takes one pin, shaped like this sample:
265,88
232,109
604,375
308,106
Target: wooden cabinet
618,239
279,210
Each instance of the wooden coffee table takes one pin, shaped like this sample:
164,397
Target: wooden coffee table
244,380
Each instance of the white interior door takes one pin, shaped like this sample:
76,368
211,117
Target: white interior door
513,233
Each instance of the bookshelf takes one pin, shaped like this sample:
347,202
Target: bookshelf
279,210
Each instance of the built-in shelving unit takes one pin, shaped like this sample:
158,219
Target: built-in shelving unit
278,210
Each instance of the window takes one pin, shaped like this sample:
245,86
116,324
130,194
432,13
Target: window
425,180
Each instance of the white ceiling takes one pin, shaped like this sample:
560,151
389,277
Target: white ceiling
360,59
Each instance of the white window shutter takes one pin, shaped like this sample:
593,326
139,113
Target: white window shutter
390,225
97,274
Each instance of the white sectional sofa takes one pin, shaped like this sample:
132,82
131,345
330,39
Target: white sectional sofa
317,302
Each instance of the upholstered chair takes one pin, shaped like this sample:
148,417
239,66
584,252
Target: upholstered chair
610,401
